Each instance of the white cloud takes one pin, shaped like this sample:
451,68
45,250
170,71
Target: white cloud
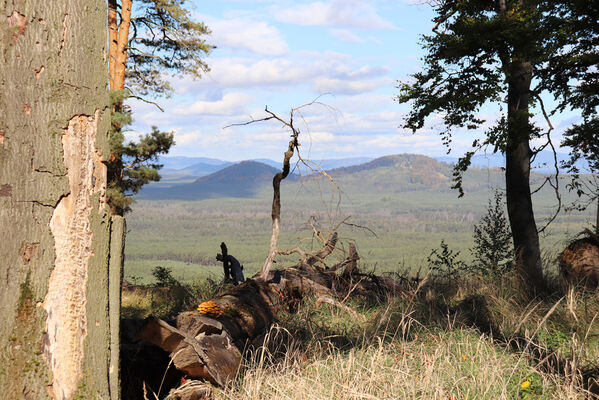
258,37
230,104
341,86
321,137
321,72
359,14
346,36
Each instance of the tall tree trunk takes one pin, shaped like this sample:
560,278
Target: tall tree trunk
120,66
55,335
113,33
517,173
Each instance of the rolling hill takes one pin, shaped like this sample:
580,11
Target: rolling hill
391,174
237,180
201,168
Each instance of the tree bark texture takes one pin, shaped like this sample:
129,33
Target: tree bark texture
54,277
517,173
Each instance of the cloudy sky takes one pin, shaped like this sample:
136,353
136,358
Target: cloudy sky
283,54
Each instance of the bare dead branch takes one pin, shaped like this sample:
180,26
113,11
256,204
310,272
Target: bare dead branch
344,222
293,148
328,248
311,257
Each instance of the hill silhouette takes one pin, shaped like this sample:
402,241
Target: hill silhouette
394,173
238,180
202,168
389,174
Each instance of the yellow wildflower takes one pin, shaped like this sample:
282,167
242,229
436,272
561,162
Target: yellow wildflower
525,384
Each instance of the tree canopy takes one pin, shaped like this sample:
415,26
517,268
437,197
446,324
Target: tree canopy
581,73
504,53
149,40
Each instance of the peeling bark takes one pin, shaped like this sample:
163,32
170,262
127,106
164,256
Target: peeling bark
65,301
54,119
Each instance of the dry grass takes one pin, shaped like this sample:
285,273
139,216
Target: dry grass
457,364
466,339
429,345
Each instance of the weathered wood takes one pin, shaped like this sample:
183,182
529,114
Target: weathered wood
208,355
115,280
193,390
579,261
55,332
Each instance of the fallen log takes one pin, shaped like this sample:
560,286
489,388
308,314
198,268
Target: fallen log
211,348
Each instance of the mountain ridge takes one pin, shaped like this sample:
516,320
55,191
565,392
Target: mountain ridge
246,178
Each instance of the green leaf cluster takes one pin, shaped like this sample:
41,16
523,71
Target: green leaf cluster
476,50
164,40
580,72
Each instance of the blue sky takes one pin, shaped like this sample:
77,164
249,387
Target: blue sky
284,54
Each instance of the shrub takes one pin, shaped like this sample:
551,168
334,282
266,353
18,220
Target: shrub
164,277
493,250
444,262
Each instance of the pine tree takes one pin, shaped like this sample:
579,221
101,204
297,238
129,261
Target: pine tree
148,39
493,251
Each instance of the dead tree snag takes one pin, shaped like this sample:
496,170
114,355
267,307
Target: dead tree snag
233,270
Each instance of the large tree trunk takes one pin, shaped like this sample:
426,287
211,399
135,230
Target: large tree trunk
517,173
55,334
597,217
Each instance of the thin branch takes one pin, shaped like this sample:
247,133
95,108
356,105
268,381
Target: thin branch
344,222
146,101
555,185
541,186
248,122
443,19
